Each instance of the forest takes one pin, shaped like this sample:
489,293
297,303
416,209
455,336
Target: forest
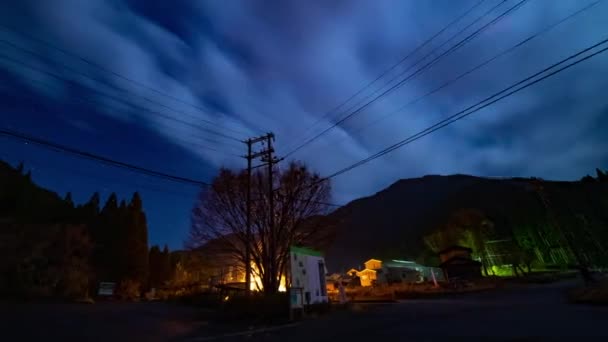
562,226
50,247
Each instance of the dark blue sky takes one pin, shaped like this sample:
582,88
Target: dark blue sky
280,66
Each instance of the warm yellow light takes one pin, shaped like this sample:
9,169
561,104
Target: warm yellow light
256,282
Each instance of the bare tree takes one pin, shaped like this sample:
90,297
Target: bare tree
300,196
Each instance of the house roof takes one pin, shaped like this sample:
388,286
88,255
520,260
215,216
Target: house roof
401,264
455,248
305,251
372,260
459,261
401,269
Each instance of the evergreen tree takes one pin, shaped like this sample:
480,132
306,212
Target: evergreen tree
107,242
165,265
20,168
137,240
111,205
91,209
601,176
154,262
68,200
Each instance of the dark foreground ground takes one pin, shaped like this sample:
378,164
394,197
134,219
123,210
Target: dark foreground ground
531,312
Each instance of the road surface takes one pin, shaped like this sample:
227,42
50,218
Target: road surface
107,322
534,313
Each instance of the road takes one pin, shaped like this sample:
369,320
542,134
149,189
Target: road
104,321
538,312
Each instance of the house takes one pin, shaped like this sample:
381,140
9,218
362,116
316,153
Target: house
456,263
368,277
372,272
308,277
352,272
373,264
395,271
455,251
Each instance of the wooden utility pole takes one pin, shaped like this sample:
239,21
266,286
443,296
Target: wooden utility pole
248,232
250,157
271,160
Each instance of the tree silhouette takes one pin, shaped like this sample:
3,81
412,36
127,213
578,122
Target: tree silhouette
154,261
588,179
219,218
50,247
68,200
136,241
601,176
165,265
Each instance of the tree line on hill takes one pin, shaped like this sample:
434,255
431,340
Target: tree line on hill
50,247
601,177
569,230
512,224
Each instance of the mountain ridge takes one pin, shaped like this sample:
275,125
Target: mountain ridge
392,222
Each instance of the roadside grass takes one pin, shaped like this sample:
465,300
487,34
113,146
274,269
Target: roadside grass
393,292
545,277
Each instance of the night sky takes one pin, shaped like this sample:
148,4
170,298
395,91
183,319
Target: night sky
258,66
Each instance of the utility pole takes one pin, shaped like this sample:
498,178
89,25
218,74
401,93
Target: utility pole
250,157
271,160
248,232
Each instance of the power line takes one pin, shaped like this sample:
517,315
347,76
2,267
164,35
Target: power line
186,141
430,53
113,162
105,160
137,186
112,72
394,66
479,66
464,113
402,82
419,70
114,87
118,99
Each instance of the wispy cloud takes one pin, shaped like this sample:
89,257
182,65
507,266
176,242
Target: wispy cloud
280,65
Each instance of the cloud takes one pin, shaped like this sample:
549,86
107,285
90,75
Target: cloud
279,66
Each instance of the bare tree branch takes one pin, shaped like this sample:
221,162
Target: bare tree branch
220,216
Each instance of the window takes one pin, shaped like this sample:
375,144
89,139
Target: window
323,287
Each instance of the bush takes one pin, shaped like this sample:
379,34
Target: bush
210,300
128,290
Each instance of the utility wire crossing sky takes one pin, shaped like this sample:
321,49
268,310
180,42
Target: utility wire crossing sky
171,92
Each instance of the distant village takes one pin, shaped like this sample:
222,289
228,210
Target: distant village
457,264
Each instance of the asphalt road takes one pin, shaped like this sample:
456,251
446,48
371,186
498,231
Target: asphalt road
532,313
525,313
105,321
